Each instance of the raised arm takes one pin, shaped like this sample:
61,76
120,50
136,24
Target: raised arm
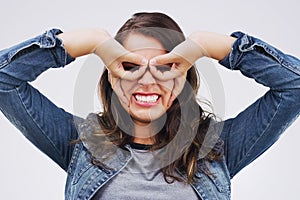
48,127
197,45
255,129
98,41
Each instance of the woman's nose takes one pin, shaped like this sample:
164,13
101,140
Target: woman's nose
147,78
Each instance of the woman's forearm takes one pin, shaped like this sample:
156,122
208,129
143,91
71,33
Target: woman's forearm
213,45
83,42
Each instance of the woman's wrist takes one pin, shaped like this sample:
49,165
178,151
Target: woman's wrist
109,50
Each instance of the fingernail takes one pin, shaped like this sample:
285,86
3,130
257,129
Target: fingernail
152,62
144,61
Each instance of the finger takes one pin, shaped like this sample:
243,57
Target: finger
175,71
163,59
116,86
164,76
179,83
136,59
118,70
128,75
120,93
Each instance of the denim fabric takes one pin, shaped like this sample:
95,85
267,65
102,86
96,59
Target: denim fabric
51,129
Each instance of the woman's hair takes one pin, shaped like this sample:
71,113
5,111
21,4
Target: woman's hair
184,118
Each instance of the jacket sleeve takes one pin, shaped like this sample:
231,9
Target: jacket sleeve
256,128
48,127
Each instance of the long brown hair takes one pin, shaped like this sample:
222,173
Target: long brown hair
185,124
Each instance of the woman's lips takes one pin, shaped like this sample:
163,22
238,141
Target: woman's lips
147,100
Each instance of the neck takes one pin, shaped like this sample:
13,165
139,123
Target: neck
144,133
147,141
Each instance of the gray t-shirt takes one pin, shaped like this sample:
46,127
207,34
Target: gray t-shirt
140,180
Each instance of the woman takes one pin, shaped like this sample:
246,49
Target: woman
152,140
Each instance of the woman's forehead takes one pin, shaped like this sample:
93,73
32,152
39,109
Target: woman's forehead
137,41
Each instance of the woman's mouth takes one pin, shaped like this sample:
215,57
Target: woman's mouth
146,99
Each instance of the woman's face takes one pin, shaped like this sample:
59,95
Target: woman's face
148,97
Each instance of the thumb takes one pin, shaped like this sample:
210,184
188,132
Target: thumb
163,59
136,59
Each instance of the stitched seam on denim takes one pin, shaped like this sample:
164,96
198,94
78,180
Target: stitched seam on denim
235,60
20,97
11,54
74,158
245,155
227,141
4,64
241,161
280,57
231,59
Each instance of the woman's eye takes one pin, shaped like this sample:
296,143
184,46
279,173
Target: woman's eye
164,68
130,66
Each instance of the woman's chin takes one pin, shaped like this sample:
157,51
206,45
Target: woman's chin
140,119
143,118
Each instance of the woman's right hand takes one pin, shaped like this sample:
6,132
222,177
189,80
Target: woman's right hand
113,54
182,57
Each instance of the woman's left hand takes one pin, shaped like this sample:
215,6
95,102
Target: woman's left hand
182,58
184,55
113,55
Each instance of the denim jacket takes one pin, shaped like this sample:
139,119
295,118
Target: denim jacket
51,129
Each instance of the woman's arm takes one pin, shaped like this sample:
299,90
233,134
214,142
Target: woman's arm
48,127
113,54
255,129
184,55
213,45
82,42
98,41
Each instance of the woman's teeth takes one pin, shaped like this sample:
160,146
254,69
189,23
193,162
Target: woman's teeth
146,99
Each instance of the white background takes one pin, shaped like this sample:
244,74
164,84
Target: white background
28,174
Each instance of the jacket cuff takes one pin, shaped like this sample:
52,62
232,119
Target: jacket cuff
49,40
243,41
